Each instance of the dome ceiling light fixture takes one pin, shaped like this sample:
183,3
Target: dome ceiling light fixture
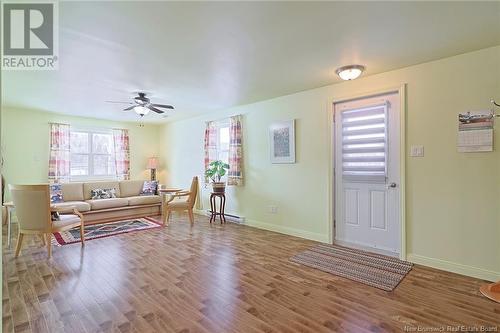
350,72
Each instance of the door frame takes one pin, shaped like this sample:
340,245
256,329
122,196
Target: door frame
401,90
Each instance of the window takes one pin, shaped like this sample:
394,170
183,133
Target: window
223,141
92,154
364,143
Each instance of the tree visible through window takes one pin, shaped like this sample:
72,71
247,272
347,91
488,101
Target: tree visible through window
223,142
92,155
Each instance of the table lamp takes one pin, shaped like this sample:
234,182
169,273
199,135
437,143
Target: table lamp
153,165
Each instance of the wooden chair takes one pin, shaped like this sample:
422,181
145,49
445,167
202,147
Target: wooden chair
34,216
182,205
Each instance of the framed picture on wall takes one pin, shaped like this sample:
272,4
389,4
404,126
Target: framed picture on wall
282,141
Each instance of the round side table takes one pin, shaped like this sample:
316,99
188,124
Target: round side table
213,207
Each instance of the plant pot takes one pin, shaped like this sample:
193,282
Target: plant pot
219,187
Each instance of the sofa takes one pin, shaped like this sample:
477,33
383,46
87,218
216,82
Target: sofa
129,203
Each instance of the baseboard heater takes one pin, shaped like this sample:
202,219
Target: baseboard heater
229,217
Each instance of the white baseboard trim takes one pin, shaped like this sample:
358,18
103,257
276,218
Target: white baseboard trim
278,228
449,266
288,231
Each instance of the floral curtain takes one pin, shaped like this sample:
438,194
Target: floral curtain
59,159
210,144
235,174
122,153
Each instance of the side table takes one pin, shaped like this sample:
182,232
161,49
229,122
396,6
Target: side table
213,207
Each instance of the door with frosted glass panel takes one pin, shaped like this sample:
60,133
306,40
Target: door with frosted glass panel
367,172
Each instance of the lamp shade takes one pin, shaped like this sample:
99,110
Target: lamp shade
153,163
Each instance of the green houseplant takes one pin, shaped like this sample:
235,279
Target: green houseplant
216,170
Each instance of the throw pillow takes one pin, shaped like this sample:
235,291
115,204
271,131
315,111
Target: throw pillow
103,193
149,187
56,193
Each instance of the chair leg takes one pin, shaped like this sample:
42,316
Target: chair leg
49,244
19,244
168,215
42,236
191,217
82,234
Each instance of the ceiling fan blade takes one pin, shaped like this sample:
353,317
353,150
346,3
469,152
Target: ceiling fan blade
163,106
152,108
116,102
129,108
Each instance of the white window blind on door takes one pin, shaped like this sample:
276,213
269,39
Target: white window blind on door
364,143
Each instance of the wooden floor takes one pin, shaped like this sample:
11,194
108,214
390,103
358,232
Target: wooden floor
218,279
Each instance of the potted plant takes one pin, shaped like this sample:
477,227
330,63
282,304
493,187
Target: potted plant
216,170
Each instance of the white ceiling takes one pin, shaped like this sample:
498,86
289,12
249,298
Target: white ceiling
207,56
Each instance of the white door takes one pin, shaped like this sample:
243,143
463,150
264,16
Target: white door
367,174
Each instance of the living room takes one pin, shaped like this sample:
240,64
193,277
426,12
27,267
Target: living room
253,166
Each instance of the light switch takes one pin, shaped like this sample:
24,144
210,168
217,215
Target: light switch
417,151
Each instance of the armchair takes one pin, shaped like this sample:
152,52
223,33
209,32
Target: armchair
34,215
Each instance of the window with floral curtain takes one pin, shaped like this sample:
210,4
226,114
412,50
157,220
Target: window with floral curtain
59,160
210,144
223,141
122,153
235,174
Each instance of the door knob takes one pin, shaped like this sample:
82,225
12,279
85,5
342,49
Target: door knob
392,185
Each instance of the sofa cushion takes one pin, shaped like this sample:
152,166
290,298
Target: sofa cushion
130,188
107,203
66,221
144,200
81,206
72,191
88,187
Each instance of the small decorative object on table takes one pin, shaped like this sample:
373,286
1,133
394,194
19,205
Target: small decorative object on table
213,207
216,170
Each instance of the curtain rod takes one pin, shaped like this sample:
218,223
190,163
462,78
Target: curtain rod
113,128
223,118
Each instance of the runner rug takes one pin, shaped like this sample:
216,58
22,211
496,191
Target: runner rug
105,230
373,269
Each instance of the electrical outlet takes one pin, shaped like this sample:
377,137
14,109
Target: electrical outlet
417,151
272,209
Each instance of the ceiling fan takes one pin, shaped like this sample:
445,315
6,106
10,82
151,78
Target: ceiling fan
142,105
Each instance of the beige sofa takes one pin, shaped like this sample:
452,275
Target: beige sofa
127,204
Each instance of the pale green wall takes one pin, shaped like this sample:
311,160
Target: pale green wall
452,199
25,143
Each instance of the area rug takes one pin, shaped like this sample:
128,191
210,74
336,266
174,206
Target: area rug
373,269
105,230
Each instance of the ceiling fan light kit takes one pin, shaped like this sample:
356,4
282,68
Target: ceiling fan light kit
142,105
141,110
